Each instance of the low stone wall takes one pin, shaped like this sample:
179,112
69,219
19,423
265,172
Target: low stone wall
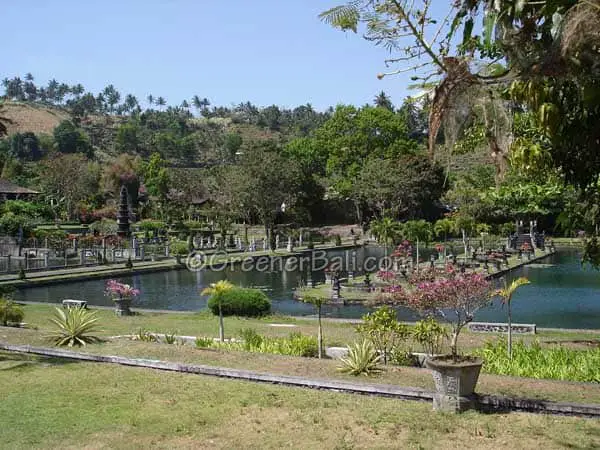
482,402
491,327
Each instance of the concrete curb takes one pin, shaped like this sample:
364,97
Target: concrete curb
484,402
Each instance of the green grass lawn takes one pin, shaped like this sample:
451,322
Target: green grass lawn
204,324
50,403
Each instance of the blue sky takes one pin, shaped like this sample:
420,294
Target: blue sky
264,51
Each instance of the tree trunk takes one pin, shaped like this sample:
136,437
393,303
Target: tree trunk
417,255
464,238
221,327
453,342
320,334
509,331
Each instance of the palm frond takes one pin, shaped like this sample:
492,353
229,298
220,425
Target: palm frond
344,17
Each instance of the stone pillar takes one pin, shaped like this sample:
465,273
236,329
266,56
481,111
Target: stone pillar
265,244
82,257
167,250
46,257
290,245
276,241
142,252
300,239
26,260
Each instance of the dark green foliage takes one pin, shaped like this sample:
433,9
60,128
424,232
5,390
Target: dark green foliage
21,275
10,312
70,139
241,302
338,240
25,146
129,263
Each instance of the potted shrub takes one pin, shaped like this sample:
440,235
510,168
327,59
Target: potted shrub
122,294
453,298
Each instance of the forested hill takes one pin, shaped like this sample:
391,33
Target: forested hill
192,133
357,162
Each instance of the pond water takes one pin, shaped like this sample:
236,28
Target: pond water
562,293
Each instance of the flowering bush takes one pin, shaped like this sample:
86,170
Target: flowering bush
115,288
386,275
526,247
454,298
403,250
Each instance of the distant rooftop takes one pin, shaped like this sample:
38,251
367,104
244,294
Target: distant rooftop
6,187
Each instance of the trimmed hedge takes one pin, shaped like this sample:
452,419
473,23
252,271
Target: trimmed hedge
241,302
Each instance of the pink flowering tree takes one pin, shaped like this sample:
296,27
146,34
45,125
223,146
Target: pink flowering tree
454,299
116,289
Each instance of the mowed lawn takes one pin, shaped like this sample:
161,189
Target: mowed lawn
205,324
49,403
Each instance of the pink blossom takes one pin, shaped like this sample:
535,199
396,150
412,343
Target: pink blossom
386,275
115,288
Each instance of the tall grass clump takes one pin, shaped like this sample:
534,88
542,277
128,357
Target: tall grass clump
533,361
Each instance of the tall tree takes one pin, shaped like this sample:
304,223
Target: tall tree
382,100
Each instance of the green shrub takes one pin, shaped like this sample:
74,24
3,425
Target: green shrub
129,263
383,330
179,248
73,327
241,302
557,363
251,338
144,335
203,342
170,338
152,225
362,359
338,240
430,334
301,345
10,313
21,275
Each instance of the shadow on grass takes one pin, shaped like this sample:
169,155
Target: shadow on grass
11,361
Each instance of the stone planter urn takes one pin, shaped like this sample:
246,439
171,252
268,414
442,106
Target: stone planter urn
454,382
123,306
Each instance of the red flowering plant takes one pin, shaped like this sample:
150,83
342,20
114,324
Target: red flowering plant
453,298
404,250
387,276
118,290
526,247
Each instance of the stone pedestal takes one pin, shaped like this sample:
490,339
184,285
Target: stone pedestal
454,383
123,306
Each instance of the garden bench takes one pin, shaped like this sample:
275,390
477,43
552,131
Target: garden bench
70,303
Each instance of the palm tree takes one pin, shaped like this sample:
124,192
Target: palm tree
383,101
200,103
442,228
506,296
160,101
385,231
217,291
150,99
417,230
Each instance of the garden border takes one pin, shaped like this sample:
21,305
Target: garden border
484,402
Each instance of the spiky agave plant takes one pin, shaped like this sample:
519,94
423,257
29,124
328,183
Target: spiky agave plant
362,359
74,327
